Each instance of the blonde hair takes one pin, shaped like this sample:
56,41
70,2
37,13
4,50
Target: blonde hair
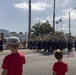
58,54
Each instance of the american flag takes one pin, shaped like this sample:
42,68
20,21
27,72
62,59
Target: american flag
70,54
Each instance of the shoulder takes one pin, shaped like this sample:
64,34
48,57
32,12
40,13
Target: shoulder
58,63
21,54
55,64
8,56
64,63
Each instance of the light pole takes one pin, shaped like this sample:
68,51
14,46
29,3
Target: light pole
54,18
29,28
69,22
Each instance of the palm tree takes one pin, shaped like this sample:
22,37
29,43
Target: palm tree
57,22
61,24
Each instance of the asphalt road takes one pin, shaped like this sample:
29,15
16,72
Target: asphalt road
40,63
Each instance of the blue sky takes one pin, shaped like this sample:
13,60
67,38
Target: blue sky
14,14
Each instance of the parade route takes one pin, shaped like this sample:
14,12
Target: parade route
40,63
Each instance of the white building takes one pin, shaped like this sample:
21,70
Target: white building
7,34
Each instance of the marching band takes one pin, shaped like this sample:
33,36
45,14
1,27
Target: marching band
49,42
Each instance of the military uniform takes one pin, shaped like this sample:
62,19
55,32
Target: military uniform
70,44
39,43
34,43
30,43
1,41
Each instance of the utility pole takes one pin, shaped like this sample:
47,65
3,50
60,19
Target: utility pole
69,26
29,28
54,18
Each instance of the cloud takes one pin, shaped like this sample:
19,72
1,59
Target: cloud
58,18
65,2
37,18
65,22
21,5
72,14
44,19
67,10
38,6
0,12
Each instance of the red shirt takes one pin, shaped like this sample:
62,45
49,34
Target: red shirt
13,63
60,68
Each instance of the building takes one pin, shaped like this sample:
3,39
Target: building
7,34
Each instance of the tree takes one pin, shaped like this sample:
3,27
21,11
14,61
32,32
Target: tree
25,32
42,28
58,33
21,32
13,32
57,22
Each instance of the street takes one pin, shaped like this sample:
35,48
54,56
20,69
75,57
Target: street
40,63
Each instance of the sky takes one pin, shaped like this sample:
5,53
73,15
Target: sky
14,14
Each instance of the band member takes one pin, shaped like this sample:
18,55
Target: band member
39,43
70,44
44,42
1,41
34,43
48,43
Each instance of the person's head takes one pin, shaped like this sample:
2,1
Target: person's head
58,54
13,43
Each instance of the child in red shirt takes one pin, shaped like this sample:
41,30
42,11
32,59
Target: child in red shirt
60,67
13,63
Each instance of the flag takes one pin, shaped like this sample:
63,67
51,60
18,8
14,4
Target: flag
60,20
70,54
